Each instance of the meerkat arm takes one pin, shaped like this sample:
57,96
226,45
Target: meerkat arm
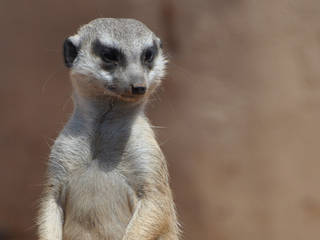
51,218
151,219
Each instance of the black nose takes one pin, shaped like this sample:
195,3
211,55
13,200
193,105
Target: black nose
138,90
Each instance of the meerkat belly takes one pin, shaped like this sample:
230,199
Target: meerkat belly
99,205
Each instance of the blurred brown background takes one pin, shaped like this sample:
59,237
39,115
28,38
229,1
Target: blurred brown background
240,110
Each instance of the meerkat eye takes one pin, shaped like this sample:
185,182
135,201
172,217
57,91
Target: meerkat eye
110,55
148,55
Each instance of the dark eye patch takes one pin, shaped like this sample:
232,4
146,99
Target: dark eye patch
110,55
149,54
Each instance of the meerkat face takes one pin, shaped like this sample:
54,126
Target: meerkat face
115,57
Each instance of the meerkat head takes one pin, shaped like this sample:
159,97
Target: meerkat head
115,57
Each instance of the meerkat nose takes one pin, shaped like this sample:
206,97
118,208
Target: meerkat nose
138,89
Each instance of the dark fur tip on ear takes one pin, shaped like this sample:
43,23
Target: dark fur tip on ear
70,52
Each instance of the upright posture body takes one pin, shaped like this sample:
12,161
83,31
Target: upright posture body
107,177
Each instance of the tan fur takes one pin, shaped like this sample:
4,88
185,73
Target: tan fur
107,177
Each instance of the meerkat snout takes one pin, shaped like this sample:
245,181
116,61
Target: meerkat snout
137,81
138,89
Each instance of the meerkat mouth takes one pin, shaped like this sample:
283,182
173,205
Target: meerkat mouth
127,96
131,97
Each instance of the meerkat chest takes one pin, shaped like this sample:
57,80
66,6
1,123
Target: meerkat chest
96,199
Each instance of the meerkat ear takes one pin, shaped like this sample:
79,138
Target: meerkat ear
71,48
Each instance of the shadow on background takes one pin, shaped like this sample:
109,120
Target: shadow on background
240,110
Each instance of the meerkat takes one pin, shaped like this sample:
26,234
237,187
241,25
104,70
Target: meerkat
107,178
